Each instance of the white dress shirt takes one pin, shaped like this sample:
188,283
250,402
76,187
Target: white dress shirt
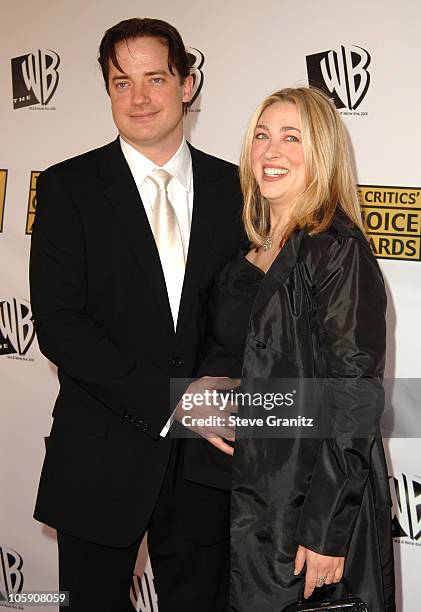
180,194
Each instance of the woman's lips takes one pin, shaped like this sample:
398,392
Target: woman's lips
274,173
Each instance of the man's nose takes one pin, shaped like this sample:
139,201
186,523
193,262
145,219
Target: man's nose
140,94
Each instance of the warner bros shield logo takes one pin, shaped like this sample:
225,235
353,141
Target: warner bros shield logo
11,576
196,61
16,326
342,75
142,592
406,501
34,78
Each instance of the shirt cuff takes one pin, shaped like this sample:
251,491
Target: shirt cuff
167,425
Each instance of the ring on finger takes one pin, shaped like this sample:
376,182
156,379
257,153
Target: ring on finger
321,580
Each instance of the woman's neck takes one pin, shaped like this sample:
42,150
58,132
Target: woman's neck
279,219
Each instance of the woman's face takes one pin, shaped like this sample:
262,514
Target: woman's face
277,155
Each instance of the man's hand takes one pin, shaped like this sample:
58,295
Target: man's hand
320,569
205,401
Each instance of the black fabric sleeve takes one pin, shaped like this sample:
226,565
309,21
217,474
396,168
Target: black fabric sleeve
350,304
67,334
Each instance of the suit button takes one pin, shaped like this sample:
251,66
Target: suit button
260,344
177,362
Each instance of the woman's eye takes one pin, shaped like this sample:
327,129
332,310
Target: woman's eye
292,138
260,136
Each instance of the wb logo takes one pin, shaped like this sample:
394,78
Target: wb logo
142,592
196,61
406,501
34,78
16,326
11,577
342,75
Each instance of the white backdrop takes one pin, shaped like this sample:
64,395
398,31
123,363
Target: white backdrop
249,50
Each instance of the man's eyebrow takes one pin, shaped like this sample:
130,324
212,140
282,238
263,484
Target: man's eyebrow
117,77
152,72
122,75
285,128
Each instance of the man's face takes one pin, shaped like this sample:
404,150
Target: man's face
146,99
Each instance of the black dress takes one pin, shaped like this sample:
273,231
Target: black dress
230,307
319,312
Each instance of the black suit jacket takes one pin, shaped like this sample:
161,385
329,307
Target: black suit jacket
102,315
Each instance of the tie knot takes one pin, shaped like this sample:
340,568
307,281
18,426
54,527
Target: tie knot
161,178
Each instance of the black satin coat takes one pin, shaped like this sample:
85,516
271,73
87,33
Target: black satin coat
320,312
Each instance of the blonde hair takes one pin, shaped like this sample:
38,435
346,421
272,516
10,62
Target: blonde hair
330,182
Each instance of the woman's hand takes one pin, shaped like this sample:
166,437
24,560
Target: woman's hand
318,567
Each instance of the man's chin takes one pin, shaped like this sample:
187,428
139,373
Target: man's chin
146,138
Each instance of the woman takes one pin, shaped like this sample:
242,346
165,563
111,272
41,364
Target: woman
306,301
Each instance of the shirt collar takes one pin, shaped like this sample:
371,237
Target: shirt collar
180,164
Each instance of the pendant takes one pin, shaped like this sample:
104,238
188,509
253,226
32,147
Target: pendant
267,244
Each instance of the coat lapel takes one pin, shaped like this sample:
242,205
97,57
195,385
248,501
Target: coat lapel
121,192
205,188
279,270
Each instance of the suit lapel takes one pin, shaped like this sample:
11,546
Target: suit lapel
279,270
122,194
205,189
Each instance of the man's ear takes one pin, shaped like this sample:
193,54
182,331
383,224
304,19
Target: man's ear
188,88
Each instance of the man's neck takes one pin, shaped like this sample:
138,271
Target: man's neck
159,155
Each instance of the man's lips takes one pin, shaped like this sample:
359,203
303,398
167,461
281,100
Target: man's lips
143,116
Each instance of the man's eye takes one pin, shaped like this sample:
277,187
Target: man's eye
157,80
122,85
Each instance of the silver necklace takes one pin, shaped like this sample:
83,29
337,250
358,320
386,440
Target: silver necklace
267,244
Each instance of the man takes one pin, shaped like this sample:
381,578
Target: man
126,241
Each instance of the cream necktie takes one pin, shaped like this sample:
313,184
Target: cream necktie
168,240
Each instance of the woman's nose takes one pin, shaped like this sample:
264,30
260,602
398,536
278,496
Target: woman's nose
272,151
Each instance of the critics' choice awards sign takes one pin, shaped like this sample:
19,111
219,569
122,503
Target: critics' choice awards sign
392,217
32,200
35,78
342,74
3,182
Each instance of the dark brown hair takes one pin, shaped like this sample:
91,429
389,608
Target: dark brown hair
137,28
